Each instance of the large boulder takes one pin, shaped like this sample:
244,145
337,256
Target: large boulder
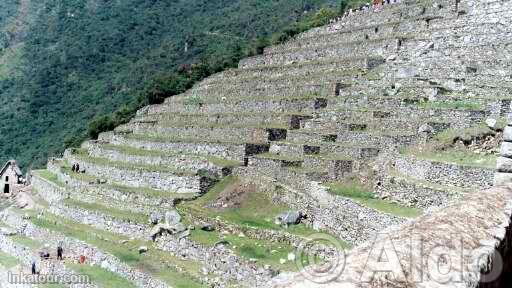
172,217
507,134
172,229
155,218
290,218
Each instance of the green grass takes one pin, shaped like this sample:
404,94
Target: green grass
153,137
7,260
82,154
26,241
100,276
361,195
449,136
154,262
277,157
109,211
265,252
158,153
457,156
49,176
146,191
453,105
256,211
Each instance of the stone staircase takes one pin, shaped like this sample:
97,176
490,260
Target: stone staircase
335,103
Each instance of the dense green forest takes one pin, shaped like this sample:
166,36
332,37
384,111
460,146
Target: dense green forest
64,63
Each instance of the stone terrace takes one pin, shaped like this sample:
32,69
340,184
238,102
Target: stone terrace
337,103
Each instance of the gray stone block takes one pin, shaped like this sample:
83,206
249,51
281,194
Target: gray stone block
504,164
506,149
501,179
507,134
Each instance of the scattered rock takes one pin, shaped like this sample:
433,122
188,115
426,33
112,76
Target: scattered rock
172,217
143,249
282,261
290,218
222,243
207,227
391,58
425,128
291,257
491,123
155,218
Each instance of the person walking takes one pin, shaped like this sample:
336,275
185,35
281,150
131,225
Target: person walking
59,252
33,268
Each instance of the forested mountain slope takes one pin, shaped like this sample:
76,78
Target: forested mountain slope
64,62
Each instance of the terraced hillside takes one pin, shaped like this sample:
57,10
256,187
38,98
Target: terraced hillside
360,125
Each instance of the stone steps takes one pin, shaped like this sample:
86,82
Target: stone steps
442,17
406,82
137,175
402,47
414,113
144,198
236,85
342,64
192,162
221,120
445,174
364,139
382,125
226,150
267,74
414,28
110,197
406,105
390,14
300,149
243,134
415,192
297,104
317,167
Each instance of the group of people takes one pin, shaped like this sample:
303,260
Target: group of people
75,168
45,255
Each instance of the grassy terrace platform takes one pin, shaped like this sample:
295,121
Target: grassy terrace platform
153,137
256,211
128,150
122,215
243,99
315,69
434,186
157,263
83,155
146,191
8,261
208,124
361,195
461,157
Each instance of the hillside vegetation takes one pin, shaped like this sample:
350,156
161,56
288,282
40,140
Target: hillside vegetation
67,62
